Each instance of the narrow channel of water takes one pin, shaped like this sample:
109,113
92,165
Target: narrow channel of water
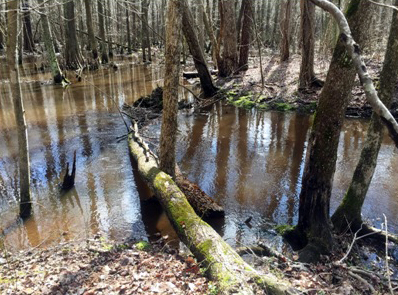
251,162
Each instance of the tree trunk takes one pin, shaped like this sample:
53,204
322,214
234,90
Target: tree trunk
101,24
13,71
1,32
145,42
92,42
28,42
307,26
275,27
128,31
73,55
48,43
168,134
188,27
348,214
109,27
215,49
285,25
228,61
201,25
314,231
223,265
245,39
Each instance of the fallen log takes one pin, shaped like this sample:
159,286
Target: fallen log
191,75
203,205
223,265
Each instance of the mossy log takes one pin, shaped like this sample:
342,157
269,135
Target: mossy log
223,265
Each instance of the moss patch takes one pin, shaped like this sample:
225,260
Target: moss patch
283,228
142,246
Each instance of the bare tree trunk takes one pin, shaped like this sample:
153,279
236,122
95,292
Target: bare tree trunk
1,32
92,42
101,24
128,31
168,134
348,214
201,26
228,62
285,25
13,70
313,230
245,39
73,56
28,42
109,28
48,43
307,25
196,50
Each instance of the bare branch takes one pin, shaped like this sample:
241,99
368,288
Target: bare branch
354,52
384,5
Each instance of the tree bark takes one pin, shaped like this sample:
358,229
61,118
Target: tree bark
1,32
348,214
285,25
228,61
128,31
196,50
92,42
13,71
28,42
73,55
168,134
49,45
307,25
223,265
145,42
245,39
101,24
314,230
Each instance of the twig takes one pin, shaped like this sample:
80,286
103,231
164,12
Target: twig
350,248
384,5
387,267
359,278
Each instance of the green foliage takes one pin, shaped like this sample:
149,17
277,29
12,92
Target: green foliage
213,289
143,245
283,107
283,228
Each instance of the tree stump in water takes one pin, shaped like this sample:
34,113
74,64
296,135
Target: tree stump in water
69,179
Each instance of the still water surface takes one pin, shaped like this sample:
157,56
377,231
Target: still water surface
250,162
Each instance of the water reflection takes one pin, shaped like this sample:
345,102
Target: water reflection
250,162
82,118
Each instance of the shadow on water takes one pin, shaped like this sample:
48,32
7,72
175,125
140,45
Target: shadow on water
251,162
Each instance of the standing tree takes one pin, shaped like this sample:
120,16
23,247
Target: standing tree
145,42
227,64
92,42
168,134
101,24
307,25
73,55
285,25
28,42
348,214
313,233
245,36
13,71
48,43
196,50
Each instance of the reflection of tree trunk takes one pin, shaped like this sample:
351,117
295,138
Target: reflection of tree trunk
13,70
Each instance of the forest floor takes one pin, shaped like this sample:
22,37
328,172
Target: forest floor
99,266
280,89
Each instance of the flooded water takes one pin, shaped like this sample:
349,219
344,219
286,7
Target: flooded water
250,162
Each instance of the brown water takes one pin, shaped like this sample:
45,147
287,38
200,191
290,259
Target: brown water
250,162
